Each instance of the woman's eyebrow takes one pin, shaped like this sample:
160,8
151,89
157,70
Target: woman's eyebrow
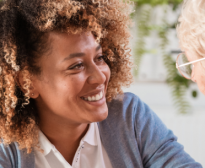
73,55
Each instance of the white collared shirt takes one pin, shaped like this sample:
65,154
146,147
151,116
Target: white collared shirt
90,153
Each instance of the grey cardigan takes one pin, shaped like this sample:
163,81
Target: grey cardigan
132,135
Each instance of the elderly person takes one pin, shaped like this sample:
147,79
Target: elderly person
191,63
63,63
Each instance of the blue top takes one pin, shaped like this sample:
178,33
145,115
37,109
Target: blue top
132,135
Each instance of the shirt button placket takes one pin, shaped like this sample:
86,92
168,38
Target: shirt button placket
77,159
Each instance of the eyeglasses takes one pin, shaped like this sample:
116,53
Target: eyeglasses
184,66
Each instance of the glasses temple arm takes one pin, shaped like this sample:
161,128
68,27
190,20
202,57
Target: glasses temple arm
189,62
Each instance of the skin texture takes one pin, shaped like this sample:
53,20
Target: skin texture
64,116
198,72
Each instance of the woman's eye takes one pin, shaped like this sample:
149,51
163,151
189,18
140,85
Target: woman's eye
80,66
101,58
77,67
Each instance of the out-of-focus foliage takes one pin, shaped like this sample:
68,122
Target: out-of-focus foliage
142,15
143,31
194,93
178,84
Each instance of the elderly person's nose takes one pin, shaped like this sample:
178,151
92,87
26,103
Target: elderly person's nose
96,75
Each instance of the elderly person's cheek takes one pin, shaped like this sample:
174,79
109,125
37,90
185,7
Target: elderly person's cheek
199,76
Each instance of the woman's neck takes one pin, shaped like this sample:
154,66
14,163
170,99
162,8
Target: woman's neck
64,136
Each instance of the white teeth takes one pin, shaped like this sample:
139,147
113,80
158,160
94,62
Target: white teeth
101,94
89,98
94,98
97,97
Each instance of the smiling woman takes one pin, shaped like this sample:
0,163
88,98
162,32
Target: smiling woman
40,39
63,63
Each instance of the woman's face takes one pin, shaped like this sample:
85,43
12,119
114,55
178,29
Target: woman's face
198,72
74,79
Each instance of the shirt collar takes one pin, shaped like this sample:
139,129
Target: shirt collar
90,136
45,144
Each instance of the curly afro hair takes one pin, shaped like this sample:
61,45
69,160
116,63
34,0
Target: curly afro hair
24,29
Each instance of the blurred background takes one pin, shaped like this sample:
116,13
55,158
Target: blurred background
177,101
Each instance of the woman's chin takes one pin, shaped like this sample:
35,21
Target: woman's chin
97,113
99,116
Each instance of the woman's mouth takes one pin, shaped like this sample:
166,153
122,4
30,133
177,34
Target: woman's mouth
93,98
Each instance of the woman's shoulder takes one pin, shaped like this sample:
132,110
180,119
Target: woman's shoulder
126,104
8,155
11,156
125,99
133,130
132,113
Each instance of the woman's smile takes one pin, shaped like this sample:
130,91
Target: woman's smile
95,99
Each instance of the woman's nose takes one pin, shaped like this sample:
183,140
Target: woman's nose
96,75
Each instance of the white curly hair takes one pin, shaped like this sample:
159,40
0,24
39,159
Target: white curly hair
191,27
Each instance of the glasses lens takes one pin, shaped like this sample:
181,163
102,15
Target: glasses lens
185,70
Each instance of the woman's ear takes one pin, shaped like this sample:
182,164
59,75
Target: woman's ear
26,83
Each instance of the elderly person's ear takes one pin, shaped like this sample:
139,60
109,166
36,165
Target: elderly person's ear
26,82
